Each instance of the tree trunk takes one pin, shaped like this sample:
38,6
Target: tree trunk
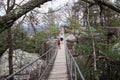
101,17
10,56
93,44
34,29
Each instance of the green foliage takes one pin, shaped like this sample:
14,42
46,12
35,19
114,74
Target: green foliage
107,50
30,46
22,41
107,59
84,49
112,61
86,70
3,42
34,43
69,30
18,38
74,24
86,63
115,22
98,27
41,35
53,30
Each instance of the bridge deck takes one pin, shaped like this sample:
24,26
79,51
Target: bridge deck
59,71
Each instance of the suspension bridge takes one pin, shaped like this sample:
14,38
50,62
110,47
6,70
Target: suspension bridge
55,64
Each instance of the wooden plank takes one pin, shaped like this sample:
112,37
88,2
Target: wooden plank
58,76
59,71
58,79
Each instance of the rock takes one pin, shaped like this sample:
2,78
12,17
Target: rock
70,37
52,42
20,58
116,47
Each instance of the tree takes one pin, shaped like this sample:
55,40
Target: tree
3,43
96,40
32,21
104,3
50,19
7,20
10,6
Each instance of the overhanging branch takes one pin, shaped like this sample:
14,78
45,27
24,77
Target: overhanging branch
105,3
109,5
7,20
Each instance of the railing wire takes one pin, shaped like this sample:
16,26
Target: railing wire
36,69
73,68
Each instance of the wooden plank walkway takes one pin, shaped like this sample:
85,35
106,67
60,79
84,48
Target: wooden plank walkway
59,71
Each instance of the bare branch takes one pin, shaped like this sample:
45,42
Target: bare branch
109,5
105,3
8,20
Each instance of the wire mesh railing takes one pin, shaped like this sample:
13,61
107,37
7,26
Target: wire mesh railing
73,68
38,69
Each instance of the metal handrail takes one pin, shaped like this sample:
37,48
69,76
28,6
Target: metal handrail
49,64
72,65
49,57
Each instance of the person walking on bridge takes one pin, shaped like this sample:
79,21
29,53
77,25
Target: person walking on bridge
59,43
61,37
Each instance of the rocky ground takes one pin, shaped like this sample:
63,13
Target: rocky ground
20,58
